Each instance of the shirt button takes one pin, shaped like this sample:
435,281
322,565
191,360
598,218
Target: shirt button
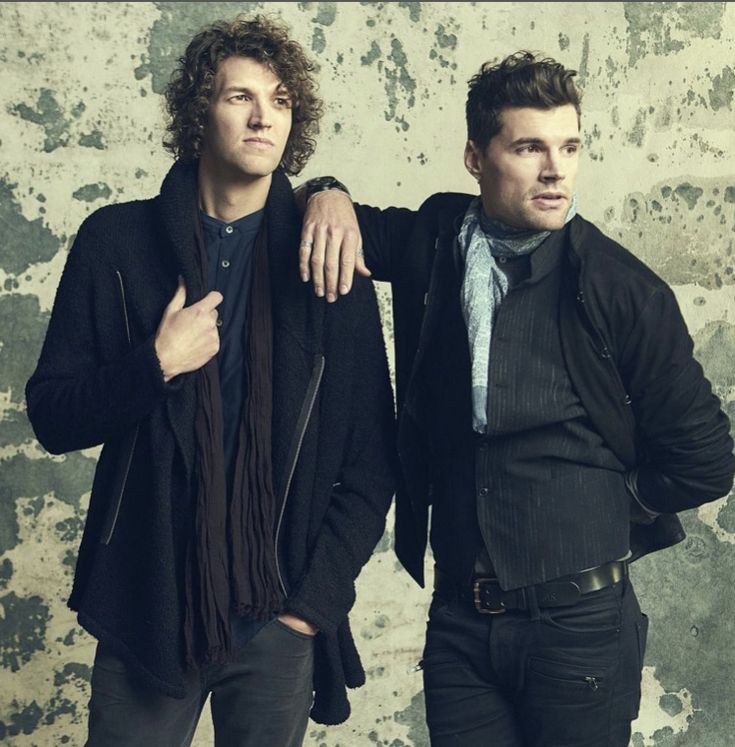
219,322
229,229
484,492
502,260
225,263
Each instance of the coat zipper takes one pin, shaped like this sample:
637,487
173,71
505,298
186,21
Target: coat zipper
600,347
107,538
301,425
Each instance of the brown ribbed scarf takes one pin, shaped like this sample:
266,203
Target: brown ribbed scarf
231,558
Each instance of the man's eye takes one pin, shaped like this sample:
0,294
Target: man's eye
282,101
528,149
239,97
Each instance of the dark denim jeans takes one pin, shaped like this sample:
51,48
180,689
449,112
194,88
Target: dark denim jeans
262,698
559,677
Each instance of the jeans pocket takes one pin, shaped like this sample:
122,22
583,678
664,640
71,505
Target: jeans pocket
295,633
584,679
105,659
595,613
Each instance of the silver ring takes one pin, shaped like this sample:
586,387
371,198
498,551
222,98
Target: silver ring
306,243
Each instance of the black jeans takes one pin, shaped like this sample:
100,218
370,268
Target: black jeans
262,698
559,677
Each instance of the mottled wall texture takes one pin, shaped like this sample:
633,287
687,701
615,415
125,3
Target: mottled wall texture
81,125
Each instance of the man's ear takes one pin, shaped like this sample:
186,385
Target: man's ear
472,160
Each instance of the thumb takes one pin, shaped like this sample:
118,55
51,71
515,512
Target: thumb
179,298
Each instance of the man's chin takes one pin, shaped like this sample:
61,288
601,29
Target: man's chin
548,222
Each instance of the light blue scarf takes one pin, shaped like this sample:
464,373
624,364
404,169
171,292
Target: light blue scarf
484,286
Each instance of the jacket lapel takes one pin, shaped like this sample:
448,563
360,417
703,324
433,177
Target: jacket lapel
298,323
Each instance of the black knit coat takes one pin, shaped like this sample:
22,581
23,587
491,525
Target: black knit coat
626,347
98,381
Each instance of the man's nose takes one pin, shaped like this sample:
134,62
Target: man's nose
552,169
259,116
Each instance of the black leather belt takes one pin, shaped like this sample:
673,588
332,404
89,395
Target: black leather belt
488,598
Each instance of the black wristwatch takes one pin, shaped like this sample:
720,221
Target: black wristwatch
323,184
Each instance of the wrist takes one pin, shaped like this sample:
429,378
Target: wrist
167,371
323,184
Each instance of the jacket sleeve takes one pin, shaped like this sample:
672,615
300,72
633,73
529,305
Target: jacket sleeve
355,519
385,235
684,435
74,399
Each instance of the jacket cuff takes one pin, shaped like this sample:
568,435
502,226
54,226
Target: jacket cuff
296,607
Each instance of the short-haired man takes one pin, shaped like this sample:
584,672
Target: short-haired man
552,414
247,426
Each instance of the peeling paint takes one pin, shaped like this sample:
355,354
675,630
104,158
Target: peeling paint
68,478
662,28
171,33
24,241
92,192
721,93
50,116
22,629
679,229
24,721
6,572
92,140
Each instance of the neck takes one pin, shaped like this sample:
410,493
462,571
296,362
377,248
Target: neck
228,199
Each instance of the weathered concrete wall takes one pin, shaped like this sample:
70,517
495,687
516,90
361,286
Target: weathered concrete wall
81,125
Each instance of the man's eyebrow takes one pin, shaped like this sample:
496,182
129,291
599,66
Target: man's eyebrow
280,90
541,141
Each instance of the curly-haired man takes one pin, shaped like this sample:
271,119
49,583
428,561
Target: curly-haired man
247,425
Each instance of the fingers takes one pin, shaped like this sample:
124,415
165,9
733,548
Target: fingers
360,265
305,246
347,255
333,264
211,301
179,298
316,260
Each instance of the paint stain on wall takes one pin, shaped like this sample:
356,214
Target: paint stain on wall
721,93
691,597
49,115
25,241
22,629
170,34
682,230
665,28
92,192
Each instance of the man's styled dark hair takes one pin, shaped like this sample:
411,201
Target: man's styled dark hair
262,39
521,79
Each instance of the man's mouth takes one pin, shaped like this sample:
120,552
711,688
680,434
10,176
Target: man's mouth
550,200
259,142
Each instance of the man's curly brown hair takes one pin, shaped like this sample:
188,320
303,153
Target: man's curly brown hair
265,40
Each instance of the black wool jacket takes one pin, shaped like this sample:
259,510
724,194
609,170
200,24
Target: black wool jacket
98,381
626,348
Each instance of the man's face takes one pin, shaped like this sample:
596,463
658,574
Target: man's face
249,121
528,170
